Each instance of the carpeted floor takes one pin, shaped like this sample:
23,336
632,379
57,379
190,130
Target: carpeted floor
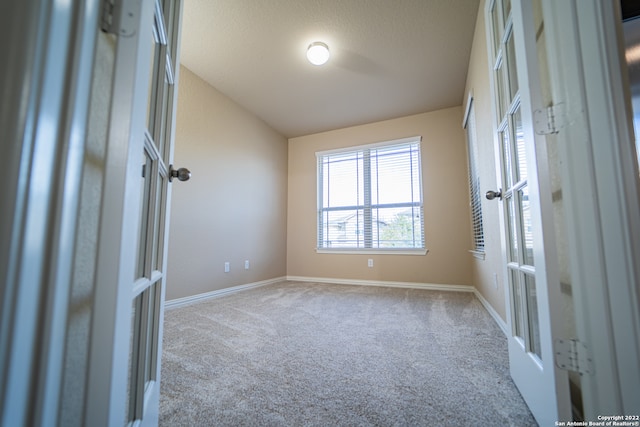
308,354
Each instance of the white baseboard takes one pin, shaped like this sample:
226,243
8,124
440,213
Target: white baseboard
501,324
413,285
181,302
429,286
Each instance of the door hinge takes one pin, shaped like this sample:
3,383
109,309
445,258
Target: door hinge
119,17
551,119
572,355
548,120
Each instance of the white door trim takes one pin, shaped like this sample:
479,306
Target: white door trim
45,85
601,193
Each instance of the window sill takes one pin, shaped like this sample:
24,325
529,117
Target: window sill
477,254
374,251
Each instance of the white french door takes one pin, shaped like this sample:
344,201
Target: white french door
131,273
154,164
532,290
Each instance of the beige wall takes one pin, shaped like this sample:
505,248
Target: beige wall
488,272
234,207
446,201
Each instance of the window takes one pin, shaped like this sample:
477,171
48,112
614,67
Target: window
474,180
370,198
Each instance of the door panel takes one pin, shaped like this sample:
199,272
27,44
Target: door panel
127,325
148,289
600,196
529,273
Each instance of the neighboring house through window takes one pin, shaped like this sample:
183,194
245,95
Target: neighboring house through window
370,198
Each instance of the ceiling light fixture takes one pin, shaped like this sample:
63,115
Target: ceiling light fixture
318,53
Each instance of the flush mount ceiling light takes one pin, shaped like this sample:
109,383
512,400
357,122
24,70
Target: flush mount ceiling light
318,53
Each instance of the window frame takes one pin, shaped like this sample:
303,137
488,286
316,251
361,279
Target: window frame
367,204
475,203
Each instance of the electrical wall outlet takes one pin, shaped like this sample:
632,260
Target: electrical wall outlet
246,264
370,262
227,267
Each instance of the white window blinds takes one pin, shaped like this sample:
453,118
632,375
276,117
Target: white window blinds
370,197
474,179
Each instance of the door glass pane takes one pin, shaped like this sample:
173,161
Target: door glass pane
506,8
501,94
171,14
130,376
137,346
162,194
525,220
145,191
158,226
511,67
163,117
506,153
151,96
168,117
144,346
497,33
511,227
520,151
150,347
532,311
168,8
516,305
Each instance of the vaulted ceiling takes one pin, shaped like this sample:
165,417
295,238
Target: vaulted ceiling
389,58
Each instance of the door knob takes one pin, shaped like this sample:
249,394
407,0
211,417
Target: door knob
183,174
490,195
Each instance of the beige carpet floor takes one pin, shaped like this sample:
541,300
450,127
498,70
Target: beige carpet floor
310,354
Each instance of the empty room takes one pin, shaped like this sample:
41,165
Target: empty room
311,213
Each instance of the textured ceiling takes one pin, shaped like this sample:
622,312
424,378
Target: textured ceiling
389,58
